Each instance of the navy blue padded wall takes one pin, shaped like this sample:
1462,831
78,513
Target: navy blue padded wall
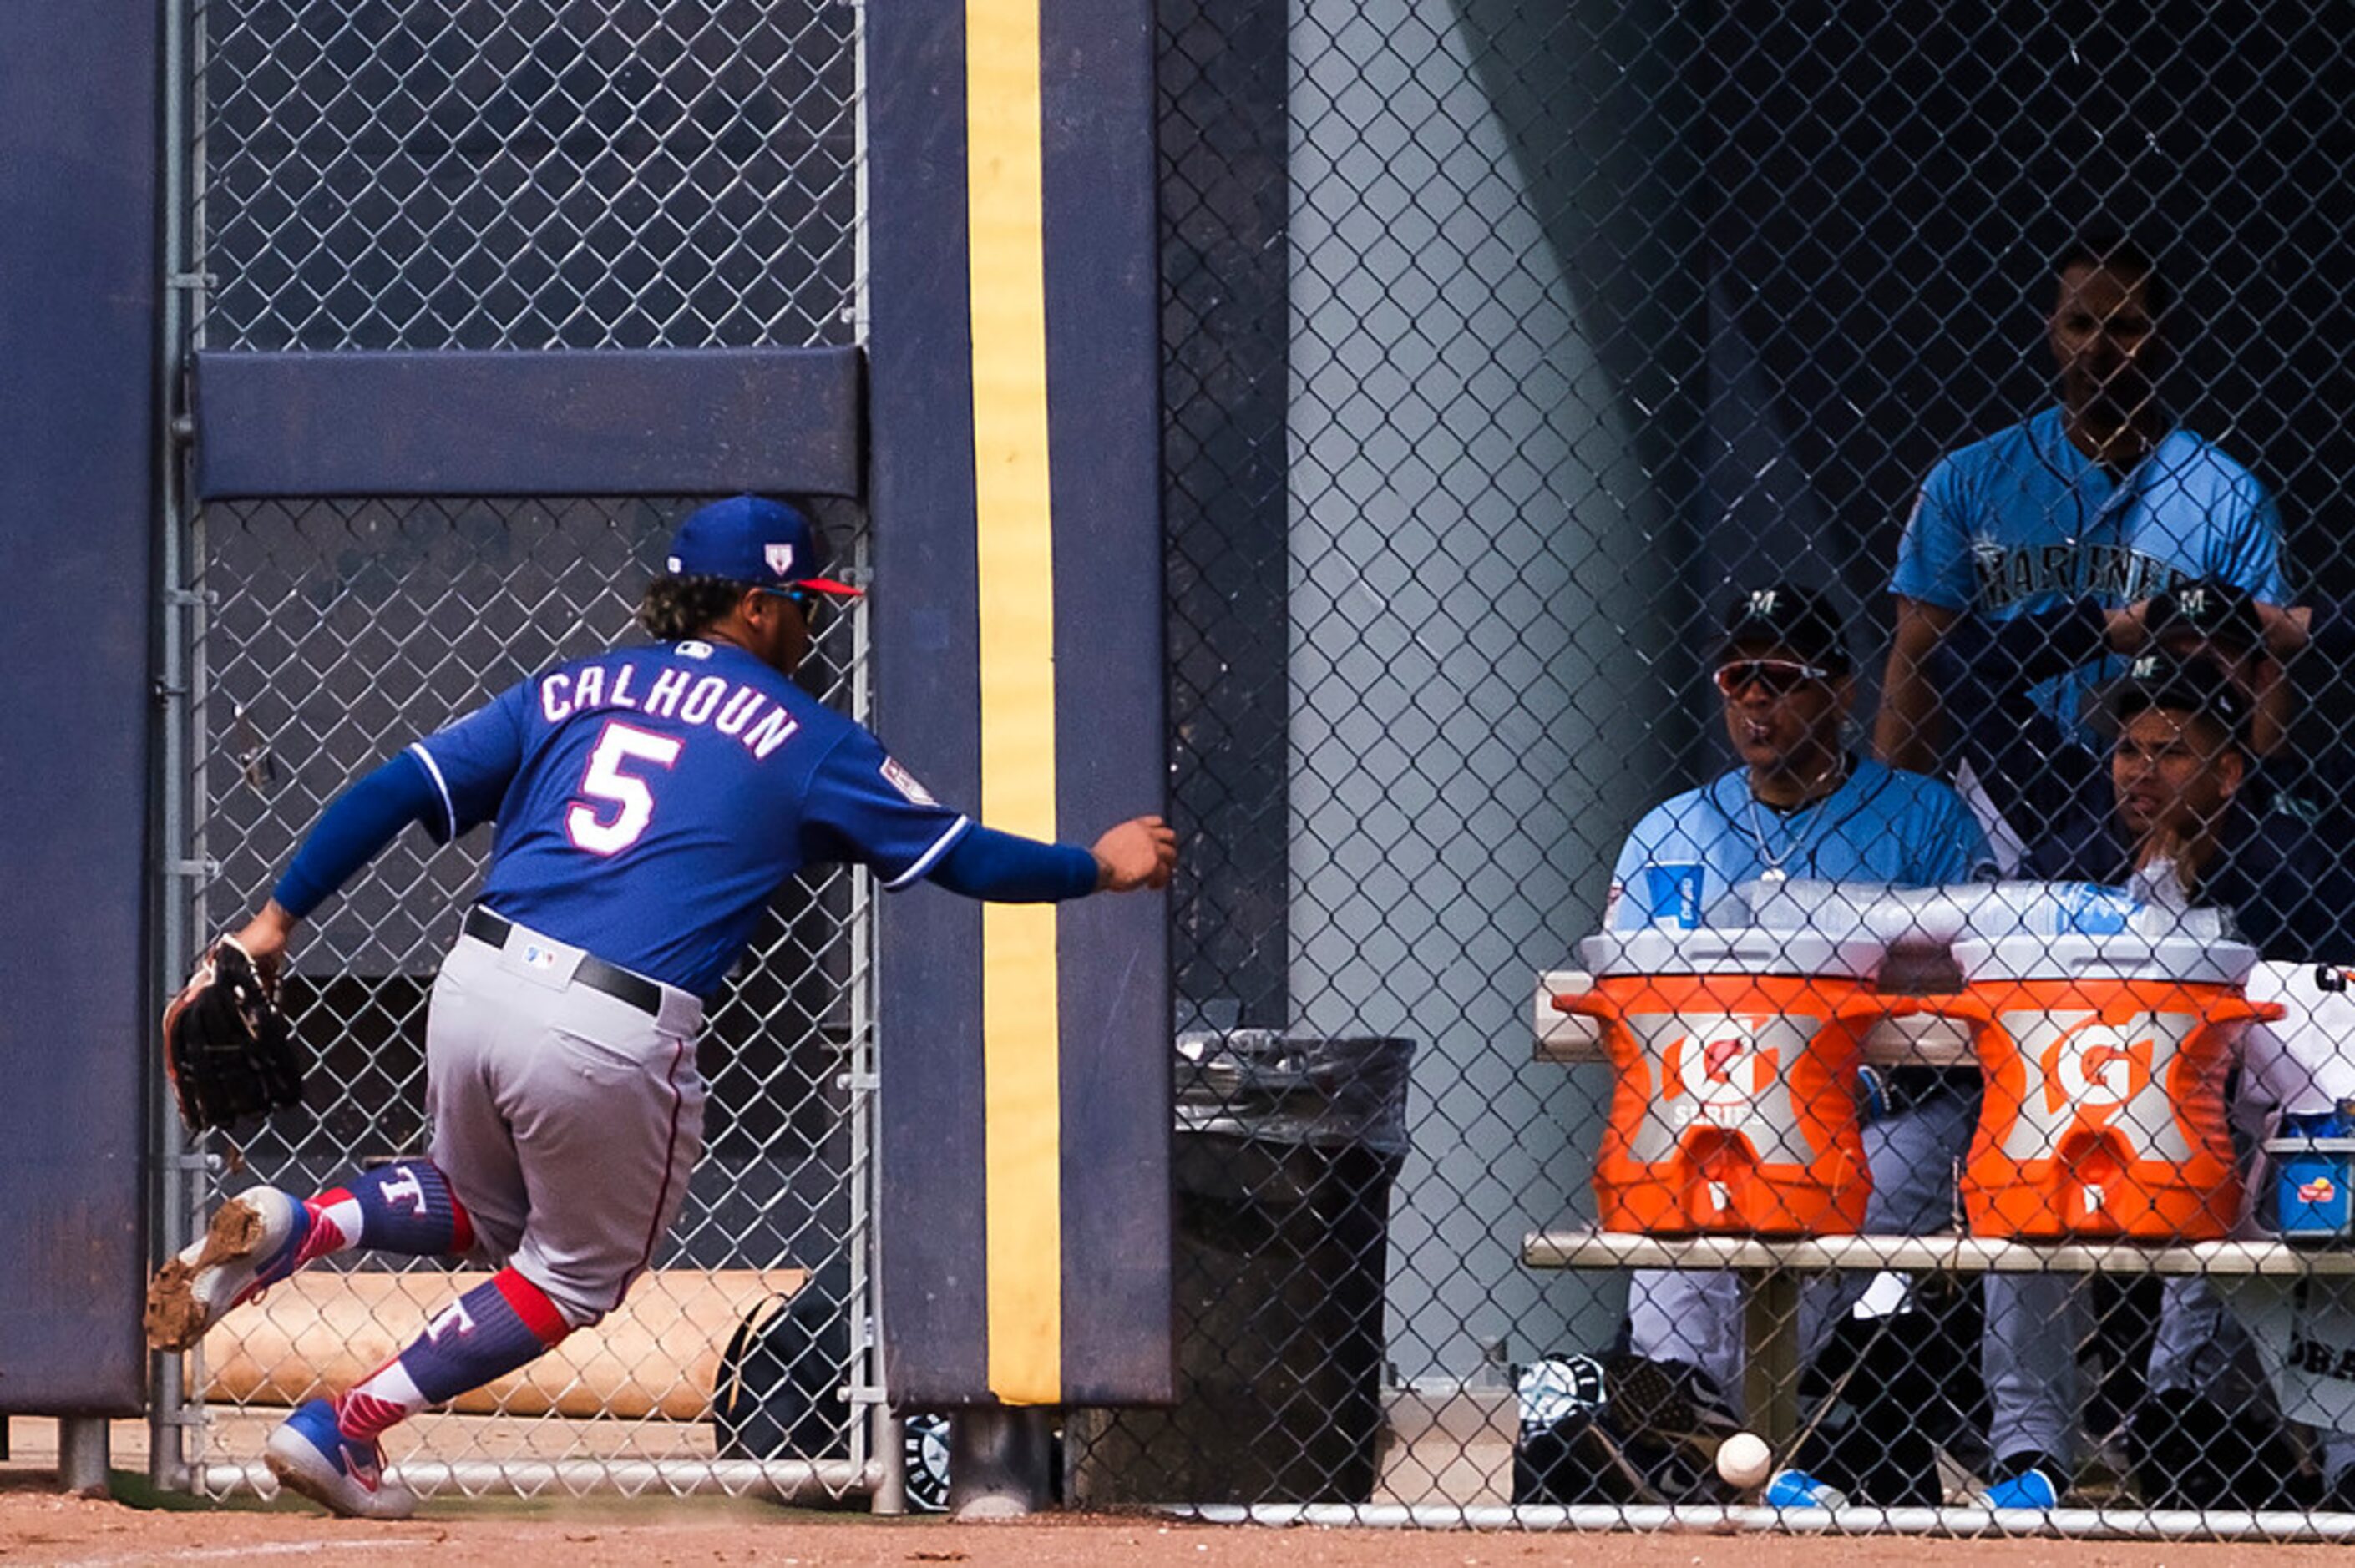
79,117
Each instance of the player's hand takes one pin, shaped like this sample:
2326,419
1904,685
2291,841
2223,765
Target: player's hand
2127,629
1140,852
264,940
2287,629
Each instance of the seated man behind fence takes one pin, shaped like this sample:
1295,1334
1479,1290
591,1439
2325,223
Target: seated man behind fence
1801,805
2205,1434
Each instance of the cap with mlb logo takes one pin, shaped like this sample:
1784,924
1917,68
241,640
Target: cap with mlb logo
752,540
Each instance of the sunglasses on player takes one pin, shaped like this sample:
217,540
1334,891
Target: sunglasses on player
1781,677
806,600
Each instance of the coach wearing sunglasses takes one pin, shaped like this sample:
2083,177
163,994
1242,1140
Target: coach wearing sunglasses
1802,806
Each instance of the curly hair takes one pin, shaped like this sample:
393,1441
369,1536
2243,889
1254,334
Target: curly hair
674,608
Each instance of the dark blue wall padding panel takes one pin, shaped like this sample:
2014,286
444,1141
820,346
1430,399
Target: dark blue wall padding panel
581,422
1103,1266
78,115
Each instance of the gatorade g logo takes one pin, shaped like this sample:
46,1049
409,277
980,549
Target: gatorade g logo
1725,1071
2106,1072
2097,1067
1720,1063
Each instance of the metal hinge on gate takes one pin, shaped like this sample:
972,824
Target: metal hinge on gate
203,868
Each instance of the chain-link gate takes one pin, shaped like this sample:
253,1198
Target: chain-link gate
1512,352
490,176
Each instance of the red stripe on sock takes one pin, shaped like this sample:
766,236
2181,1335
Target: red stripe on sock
363,1417
323,1236
532,1305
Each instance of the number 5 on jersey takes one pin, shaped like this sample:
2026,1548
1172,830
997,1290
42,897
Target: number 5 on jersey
607,780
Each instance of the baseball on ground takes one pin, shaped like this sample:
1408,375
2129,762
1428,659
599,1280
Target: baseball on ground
1743,1459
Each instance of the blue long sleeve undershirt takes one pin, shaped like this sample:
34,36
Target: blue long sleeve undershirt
354,829
1007,869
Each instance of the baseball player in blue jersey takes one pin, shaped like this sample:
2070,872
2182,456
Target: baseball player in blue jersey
1802,806
649,801
2100,500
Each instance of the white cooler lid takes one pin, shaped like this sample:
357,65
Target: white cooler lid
2128,955
1730,950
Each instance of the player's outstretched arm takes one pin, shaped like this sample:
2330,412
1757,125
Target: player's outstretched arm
1139,853
1005,868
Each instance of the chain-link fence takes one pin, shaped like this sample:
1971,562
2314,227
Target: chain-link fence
1511,349
518,175
334,634
1595,437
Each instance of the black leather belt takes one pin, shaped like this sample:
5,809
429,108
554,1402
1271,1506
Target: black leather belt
592,970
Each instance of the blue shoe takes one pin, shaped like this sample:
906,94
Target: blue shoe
1796,1488
2030,1488
343,1475
253,1242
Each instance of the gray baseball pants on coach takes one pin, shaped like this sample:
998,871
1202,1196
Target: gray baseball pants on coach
566,1120
1694,1315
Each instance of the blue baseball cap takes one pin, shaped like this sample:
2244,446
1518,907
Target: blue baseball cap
752,540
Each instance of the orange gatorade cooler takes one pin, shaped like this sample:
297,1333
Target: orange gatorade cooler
1735,1051
2104,1060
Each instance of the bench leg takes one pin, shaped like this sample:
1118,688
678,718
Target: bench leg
1770,1329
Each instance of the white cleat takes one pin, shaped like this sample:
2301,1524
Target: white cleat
251,1245
342,1475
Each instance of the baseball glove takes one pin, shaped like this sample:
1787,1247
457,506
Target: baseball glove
228,1050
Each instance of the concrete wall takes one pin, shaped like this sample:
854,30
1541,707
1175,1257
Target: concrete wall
1476,578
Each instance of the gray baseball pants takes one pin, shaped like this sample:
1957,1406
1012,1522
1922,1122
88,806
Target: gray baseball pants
566,1120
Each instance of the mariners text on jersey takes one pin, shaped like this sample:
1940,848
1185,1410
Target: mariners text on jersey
750,715
2022,521
2008,576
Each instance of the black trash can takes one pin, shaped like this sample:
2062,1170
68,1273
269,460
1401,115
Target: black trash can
1285,1150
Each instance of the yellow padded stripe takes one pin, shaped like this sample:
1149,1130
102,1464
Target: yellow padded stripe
1021,1098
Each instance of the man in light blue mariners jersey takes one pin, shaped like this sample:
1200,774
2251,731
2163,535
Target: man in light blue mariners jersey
2101,499
649,800
1802,806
